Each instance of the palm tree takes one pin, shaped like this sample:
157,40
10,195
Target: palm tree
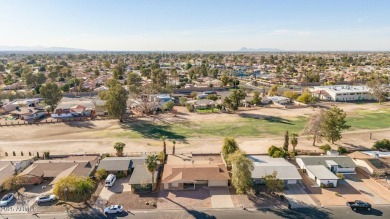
294,140
163,138
119,148
152,165
174,147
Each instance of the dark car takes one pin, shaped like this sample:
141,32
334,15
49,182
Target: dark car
359,205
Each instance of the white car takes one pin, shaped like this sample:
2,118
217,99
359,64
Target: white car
113,209
46,198
6,199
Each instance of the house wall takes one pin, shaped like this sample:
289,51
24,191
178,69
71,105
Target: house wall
300,163
364,166
311,175
326,181
32,180
346,170
218,183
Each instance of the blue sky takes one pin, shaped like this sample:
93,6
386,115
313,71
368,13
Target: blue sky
196,24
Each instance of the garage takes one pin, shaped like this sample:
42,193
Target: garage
322,176
218,183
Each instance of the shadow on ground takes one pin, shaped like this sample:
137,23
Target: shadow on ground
272,119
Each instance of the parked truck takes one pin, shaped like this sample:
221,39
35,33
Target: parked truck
359,205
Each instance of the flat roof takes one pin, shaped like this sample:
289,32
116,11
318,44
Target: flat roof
321,172
264,165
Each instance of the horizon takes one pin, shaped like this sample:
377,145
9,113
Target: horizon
176,26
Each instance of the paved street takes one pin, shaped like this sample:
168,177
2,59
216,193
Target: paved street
317,213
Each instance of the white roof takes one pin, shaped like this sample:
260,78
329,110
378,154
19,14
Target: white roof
342,88
264,165
321,172
377,153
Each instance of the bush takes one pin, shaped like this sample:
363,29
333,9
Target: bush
276,152
322,185
190,107
330,185
120,175
183,101
100,174
382,144
291,94
325,147
340,175
342,150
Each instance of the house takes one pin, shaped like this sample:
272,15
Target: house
331,165
115,165
372,162
188,171
55,169
11,106
279,100
322,175
75,107
264,165
202,104
28,113
342,93
13,165
141,179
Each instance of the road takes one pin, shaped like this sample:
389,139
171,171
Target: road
333,212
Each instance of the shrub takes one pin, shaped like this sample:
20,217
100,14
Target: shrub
325,147
330,185
100,174
342,150
382,144
183,101
13,153
337,194
276,152
120,175
340,175
190,107
322,185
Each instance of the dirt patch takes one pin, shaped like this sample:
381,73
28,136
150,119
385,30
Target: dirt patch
131,201
187,199
262,199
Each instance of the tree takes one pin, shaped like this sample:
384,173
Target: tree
116,100
378,88
224,79
307,98
382,144
134,83
52,95
152,165
233,101
332,124
325,147
229,147
46,155
342,150
100,174
163,139
313,127
256,99
294,140
73,187
242,168
286,141
273,91
119,146
213,97
168,105
291,94
12,183
273,183
276,152
183,101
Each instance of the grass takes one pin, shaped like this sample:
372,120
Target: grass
364,119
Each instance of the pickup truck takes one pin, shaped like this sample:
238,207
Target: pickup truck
359,205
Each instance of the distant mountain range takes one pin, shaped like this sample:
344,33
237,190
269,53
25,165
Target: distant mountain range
40,49
244,49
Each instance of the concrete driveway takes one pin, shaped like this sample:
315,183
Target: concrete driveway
298,197
220,197
120,185
359,185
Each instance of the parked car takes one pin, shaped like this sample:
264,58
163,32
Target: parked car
46,198
110,180
6,199
113,209
359,205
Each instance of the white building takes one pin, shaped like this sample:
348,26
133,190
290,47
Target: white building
342,93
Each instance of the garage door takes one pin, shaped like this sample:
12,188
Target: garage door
218,183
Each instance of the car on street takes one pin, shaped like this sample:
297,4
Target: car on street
6,199
46,198
359,205
113,209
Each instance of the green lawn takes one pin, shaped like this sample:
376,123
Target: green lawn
242,126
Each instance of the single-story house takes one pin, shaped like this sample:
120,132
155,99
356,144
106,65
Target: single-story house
336,164
202,103
279,100
115,165
55,169
141,179
28,113
372,162
264,165
13,165
322,175
188,171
